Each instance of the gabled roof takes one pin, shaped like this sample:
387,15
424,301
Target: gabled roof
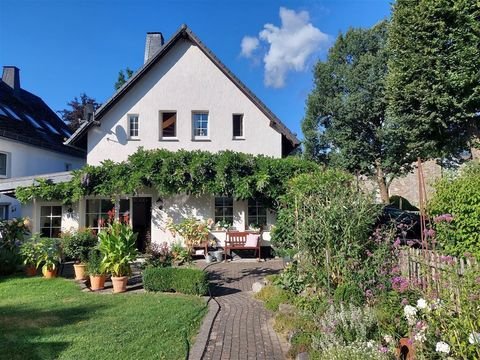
184,33
25,118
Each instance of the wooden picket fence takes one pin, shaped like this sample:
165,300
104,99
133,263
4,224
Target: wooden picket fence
429,270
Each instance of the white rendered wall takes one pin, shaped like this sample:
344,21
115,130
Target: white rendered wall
26,160
185,80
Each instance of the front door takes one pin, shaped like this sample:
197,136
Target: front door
141,220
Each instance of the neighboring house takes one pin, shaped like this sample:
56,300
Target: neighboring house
183,97
31,140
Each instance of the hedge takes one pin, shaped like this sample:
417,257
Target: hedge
185,281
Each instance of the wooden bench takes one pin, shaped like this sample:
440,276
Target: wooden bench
237,240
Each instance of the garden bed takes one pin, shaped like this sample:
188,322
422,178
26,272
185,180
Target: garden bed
47,319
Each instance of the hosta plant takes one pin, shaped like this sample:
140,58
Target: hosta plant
118,247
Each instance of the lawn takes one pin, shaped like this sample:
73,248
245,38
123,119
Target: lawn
53,319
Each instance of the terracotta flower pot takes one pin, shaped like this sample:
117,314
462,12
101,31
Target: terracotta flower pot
119,284
97,282
49,273
31,270
79,271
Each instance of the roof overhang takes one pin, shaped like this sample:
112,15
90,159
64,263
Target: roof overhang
8,186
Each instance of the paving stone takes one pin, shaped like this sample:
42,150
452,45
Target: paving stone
242,328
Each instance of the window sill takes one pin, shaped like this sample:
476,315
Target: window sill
169,139
201,139
133,139
238,138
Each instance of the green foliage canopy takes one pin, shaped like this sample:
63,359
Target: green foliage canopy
239,175
345,122
433,74
460,197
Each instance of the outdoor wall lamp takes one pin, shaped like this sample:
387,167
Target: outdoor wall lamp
160,203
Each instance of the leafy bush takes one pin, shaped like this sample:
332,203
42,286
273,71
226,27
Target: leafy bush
48,253
182,280
9,261
30,250
458,196
76,245
159,255
118,247
273,296
94,263
349,293
13,231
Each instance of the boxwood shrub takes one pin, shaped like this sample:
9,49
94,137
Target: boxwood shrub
181,280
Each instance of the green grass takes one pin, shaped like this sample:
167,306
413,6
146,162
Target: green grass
53,319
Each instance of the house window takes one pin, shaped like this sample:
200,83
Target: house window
3,212
133,126
168,124
51,221
200,125
224,209
237,125
97,213
3,165
257,213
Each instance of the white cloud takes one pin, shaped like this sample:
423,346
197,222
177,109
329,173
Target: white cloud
249,45
289,47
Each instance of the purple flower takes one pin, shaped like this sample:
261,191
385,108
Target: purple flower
445,217
396,243
399,283
383,349
369,293
404,301
430,233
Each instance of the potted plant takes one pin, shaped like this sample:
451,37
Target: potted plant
180,254
194,232
49,256
118,247
76,246
29,251
95,270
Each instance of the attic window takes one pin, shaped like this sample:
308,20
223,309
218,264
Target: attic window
12,113
133,126
237,126
168,124
33,121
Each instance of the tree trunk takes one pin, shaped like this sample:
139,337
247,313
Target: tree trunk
382,183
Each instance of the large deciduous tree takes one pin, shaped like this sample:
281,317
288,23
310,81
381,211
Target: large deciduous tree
433,83
345,120
75,114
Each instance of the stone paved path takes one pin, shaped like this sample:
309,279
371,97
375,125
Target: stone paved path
242,328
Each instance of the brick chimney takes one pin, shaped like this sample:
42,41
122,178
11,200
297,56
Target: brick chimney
153,44
11,77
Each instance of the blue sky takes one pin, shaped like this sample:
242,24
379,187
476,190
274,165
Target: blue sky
65,47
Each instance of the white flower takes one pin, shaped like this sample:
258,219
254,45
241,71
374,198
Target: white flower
474,338
422,304
388,339
410,313
371,344
420,337
442,347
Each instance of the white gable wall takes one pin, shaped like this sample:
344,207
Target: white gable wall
185,80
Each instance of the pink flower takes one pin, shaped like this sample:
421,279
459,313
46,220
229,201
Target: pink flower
430,233
445,217
404,302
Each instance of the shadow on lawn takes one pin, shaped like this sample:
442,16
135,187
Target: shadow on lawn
23,329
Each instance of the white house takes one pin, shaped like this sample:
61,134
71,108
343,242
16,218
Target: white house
183,97
31,140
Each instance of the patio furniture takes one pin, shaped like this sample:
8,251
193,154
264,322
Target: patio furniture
203,246
242,240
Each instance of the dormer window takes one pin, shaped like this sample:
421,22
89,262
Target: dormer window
200,125
133,126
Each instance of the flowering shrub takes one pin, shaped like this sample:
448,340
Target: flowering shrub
456,211
13,231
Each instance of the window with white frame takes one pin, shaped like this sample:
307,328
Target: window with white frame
133,126
224,209
3,165
3,212
200,125
257,213
97,213
237,120
51,220
168,124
